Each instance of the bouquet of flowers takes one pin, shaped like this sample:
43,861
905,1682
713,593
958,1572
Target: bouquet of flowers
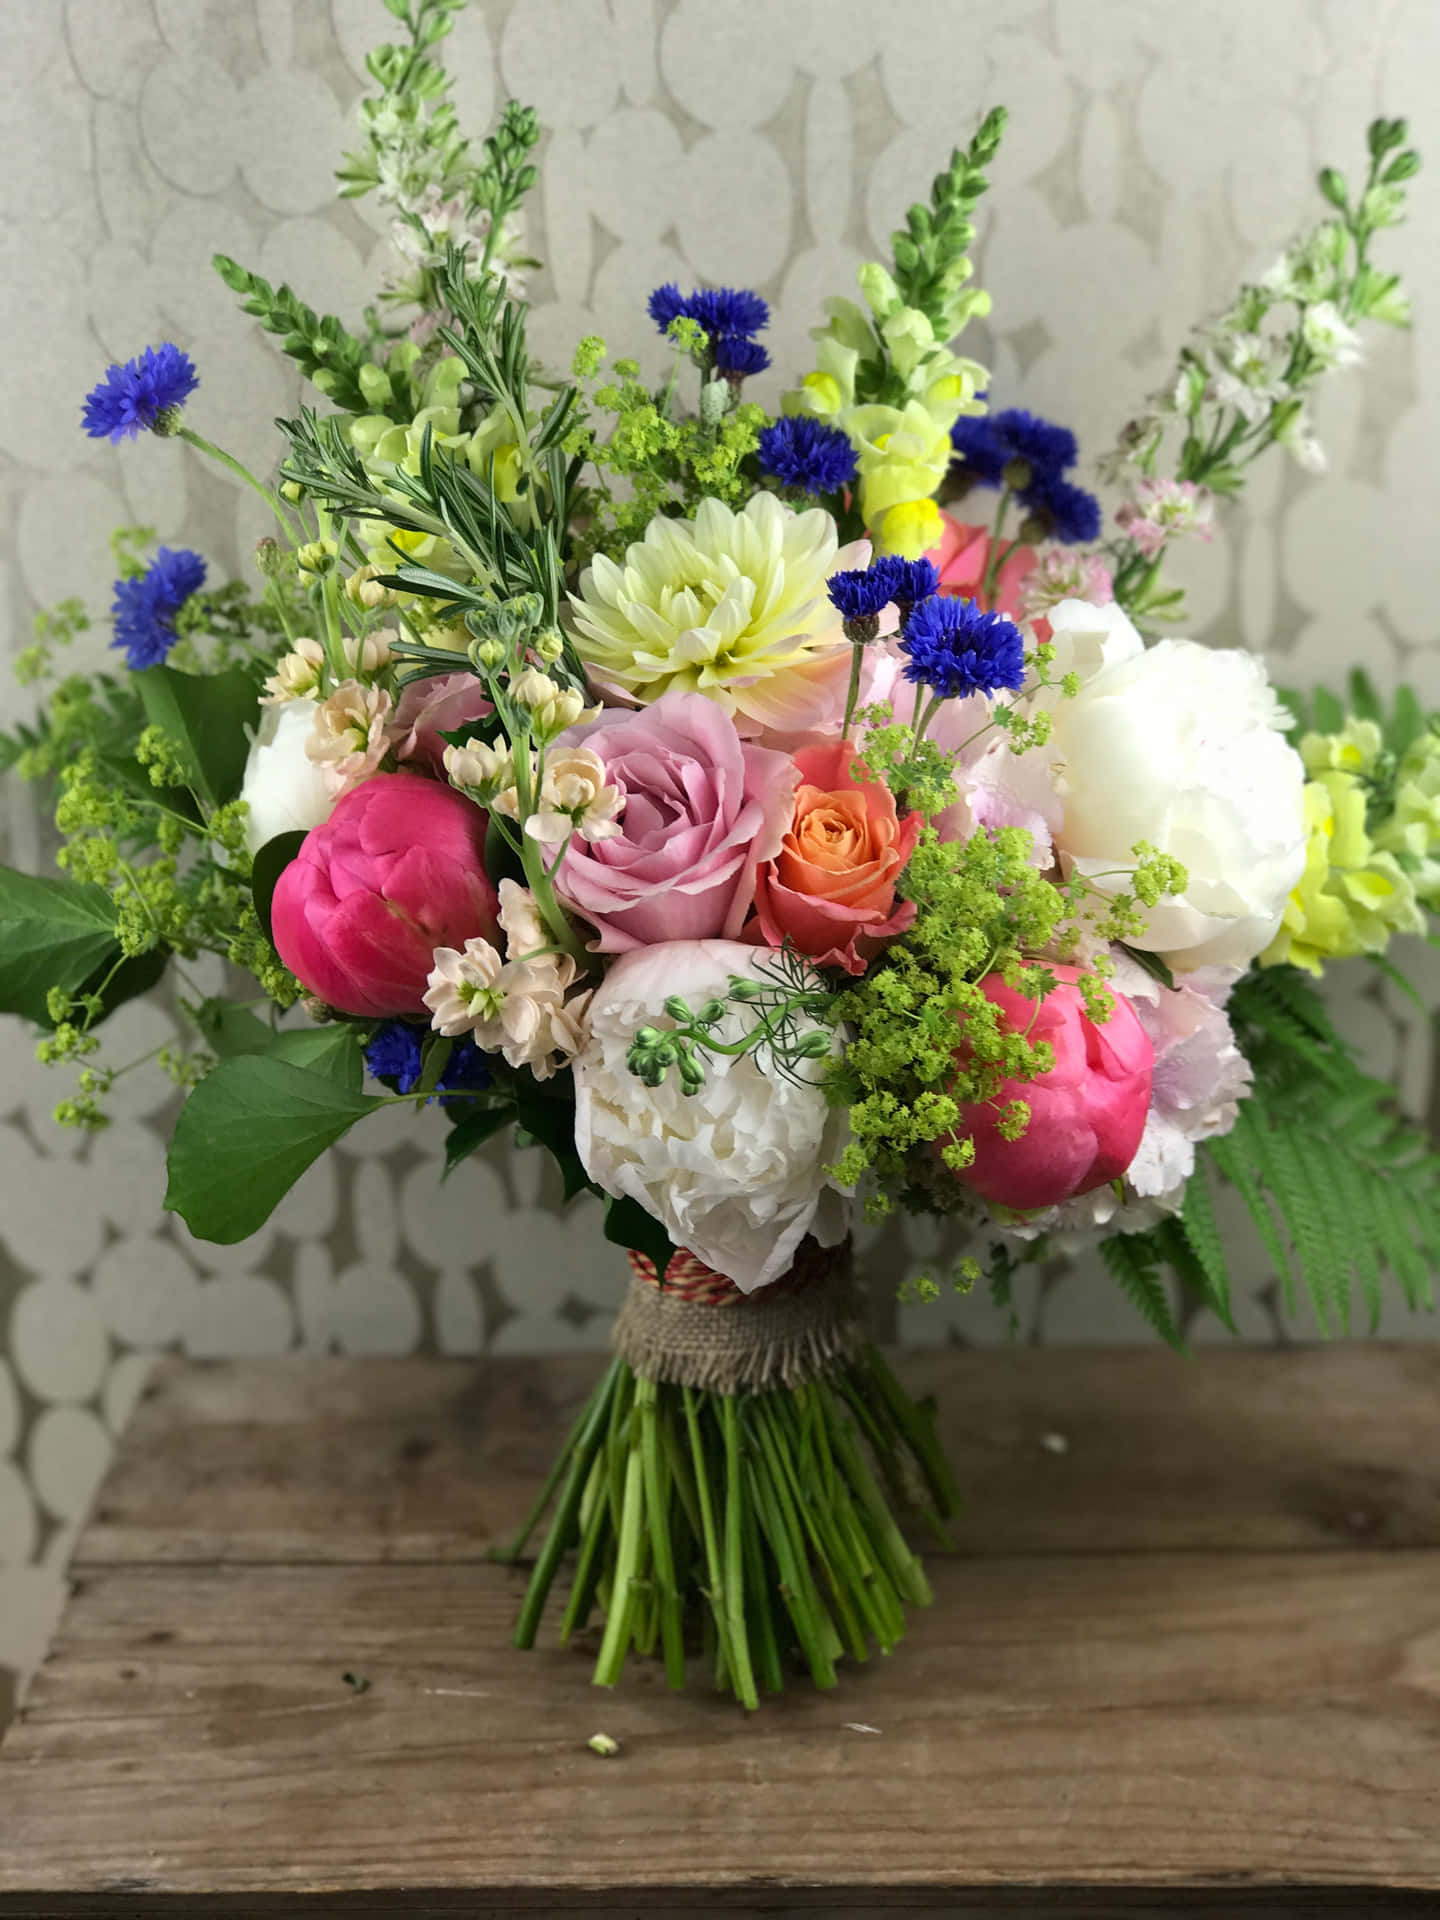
772,818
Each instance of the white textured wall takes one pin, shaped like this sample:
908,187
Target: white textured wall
1157,151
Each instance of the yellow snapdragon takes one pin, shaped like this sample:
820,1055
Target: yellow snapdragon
902,441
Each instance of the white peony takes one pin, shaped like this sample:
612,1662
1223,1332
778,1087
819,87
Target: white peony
736,1171
1182,746
284,789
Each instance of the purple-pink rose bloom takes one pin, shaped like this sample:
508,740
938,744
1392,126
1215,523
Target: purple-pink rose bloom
702,810
397,870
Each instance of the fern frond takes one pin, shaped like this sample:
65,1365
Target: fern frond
1133,1262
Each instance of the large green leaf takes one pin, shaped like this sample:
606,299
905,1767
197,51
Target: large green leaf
245,1136
53,933
232,1031
206,715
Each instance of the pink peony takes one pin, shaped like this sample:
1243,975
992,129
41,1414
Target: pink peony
428,708
1087,1114
397,870
830,891
702,810
962,557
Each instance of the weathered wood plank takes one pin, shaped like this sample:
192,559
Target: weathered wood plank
1121,1721
383,1460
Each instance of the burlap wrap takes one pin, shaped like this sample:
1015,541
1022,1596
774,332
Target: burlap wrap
696,1329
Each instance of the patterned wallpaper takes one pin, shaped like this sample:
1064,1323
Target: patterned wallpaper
1156,152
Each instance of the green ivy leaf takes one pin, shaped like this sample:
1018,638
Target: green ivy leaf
206,715
234,1033
1150,963
245,1136
53,933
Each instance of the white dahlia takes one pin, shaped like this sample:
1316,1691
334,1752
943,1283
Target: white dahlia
730,605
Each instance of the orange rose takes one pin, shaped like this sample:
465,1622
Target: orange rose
830,891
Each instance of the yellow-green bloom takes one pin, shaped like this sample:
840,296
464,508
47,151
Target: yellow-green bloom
1353,895
903,442
1412,832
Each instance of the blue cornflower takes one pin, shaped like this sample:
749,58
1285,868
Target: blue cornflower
144,608
861,593
738,356
910,581
1070,515
394,1053
137,394
722,310
807,454
987,443
731,316
665,304
956,648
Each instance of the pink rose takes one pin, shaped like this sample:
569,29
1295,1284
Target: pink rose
702,810
962,557
830,890
427,708
397,870
1087,1113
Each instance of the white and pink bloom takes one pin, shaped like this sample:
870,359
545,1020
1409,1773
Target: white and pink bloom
1162,510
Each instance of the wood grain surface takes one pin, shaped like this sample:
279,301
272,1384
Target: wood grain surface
1186,1659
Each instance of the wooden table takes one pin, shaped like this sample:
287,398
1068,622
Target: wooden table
1187,1659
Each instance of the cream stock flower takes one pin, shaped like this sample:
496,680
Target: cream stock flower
730,605
521,921
574,798
296,675
347,738
478,768
512,1007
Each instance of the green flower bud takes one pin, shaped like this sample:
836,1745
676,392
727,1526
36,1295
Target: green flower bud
375,385
270,557
714,401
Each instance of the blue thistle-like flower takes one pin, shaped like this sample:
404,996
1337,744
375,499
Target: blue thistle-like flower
136,395
731,316
987,443
956,648
910,581
728,310
394,1054
807,454
736,355
144,608
665,304
1070,515
860,593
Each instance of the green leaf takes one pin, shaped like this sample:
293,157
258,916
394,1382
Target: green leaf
1328,712
628,1225
332,1050
472,1130
270,862
229,1030
53,933
1150,963
245,1136
1363,697
549,1122
1397,978
1407,720
206,715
